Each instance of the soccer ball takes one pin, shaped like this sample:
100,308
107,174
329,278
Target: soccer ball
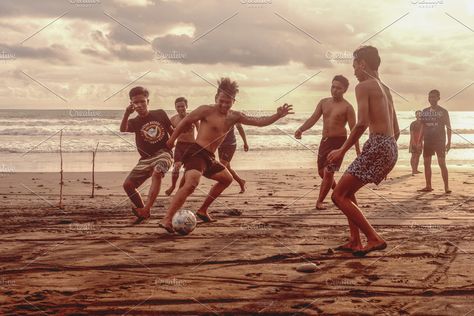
184,222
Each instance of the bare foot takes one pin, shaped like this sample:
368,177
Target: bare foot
320,206
447,190
205,217
371,246
169,191
418,171
242,186
168,226
425,189
142,213
350,246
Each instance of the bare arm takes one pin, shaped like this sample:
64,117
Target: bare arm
314,118
413,141
448,127
351,119
362,124
242,133
422,131
265,120
396,127
126,115
170,130
196,115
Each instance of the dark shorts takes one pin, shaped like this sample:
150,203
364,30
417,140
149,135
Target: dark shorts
429,149
378,157
160,162
226,152
198,158
327,145
180,150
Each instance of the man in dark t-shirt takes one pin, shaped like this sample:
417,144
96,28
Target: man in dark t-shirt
436,124
152,130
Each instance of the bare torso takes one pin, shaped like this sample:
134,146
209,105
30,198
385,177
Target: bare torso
380,108
334,117
188,135
214,127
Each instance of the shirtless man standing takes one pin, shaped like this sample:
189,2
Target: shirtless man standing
379,153
185,140
336,113
199,160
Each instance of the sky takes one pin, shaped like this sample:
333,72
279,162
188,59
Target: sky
87,54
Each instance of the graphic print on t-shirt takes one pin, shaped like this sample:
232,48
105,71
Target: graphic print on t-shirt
152,132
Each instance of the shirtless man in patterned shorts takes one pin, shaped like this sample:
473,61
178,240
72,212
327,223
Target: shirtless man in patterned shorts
379,153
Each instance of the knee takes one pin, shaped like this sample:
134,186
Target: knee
157,175
128,186
321,173
334,197
442,162
226,180
190,185
328,174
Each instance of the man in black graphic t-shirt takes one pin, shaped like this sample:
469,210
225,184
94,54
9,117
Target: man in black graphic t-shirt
152,130
436,124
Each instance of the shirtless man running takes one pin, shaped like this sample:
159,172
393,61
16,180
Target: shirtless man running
185,140
199,160
336,113
379,153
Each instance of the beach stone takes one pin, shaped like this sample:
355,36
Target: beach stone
233,212
307,268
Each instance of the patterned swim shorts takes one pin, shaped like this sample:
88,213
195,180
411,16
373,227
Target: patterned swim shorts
378,157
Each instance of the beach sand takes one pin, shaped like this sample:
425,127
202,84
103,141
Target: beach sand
90,259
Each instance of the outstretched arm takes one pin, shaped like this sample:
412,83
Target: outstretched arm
193,117
314,118
243,136
362,96
282,111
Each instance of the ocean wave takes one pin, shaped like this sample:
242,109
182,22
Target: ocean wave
107,127
129,147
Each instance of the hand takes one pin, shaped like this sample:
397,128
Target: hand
335,155
246,147
298,133
170,144
284,110
448,147
130,108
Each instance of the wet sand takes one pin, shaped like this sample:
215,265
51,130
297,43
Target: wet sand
90,259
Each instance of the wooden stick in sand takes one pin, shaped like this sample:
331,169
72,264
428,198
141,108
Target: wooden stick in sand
93,169
61,206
